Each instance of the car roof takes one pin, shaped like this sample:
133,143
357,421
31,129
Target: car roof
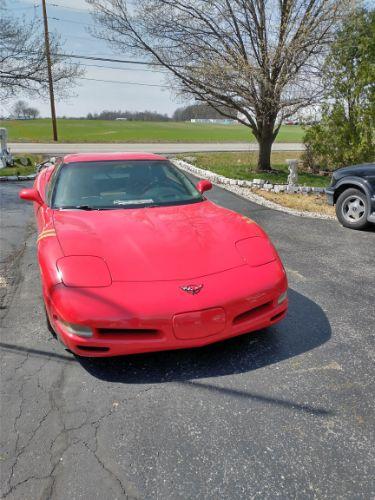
93,157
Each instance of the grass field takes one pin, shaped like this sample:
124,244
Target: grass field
148,132
243,165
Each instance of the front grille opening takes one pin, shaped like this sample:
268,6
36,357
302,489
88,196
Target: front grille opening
277,316
252,313
130,332
92,348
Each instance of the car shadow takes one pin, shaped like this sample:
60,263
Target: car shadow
305,328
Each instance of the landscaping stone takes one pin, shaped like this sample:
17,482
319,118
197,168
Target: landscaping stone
243,188
26,177
258,182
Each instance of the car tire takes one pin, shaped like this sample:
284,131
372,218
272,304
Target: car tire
352,209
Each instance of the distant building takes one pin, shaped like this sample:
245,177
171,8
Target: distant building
121,119
218,121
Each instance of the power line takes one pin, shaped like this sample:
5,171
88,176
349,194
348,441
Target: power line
68,8
125,83
25,8
92,38
82,38
70,21
102,66
37,4
107,59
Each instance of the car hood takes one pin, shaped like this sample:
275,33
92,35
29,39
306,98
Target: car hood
161,243
357,170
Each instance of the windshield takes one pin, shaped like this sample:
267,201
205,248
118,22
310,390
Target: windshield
122,184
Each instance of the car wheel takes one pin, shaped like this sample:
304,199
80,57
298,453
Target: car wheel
352,209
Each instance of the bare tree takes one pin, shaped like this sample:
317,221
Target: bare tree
32,113
259,58
23,66
19,109
22,110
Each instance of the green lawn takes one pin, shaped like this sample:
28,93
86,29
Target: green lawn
243,166
122,131
19,169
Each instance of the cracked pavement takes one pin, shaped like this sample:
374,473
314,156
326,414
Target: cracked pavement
282,413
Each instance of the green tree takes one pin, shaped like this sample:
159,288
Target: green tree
345,134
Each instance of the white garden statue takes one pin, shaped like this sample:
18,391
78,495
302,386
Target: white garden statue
5,156
293,173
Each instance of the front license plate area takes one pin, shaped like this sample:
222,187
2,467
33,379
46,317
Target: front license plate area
199,324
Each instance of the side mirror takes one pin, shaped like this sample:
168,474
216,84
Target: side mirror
31,195
203,186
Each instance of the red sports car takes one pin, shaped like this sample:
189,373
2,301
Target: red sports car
134,258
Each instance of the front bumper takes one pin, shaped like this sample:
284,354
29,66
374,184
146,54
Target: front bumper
136,317
330,196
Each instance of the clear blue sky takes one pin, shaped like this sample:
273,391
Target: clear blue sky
72,20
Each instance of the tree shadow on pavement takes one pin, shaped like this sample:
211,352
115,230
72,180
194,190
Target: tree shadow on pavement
305,328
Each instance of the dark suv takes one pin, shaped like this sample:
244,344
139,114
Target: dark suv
352,190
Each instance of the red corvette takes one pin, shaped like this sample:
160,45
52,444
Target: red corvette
134,258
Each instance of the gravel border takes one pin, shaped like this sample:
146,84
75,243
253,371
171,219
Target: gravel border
244,191
9,178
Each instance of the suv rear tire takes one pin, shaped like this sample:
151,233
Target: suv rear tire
352,209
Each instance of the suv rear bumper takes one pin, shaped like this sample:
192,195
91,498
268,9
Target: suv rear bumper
330,196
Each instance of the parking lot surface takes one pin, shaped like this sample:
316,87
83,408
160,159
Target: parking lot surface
282,413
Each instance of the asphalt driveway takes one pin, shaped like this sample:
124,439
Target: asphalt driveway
282,413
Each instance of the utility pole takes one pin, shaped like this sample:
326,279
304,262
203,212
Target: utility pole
49,69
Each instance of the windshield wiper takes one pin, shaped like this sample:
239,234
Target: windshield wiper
79,207
152,205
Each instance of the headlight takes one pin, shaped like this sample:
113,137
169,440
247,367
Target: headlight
83,271
80,330
282,297
256,251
